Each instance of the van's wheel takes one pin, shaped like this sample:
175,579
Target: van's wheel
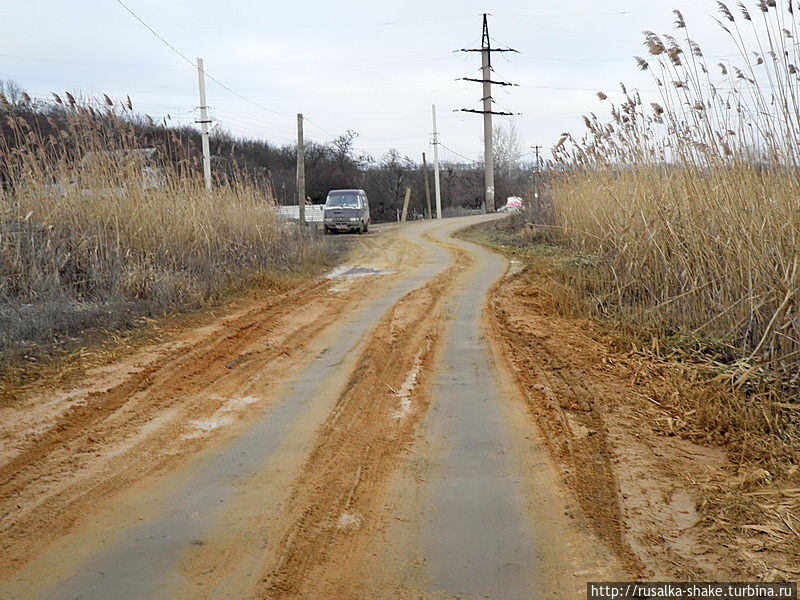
366,227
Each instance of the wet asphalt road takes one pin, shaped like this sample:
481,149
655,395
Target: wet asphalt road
475,536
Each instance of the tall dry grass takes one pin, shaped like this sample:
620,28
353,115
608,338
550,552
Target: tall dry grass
689,205
96,232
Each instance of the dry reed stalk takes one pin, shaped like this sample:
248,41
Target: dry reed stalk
691,203
96,228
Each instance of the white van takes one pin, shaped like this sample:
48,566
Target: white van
346,210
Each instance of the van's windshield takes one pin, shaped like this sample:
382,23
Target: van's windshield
343,201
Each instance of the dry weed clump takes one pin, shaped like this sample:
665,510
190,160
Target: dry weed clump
98,227
760,517
690,202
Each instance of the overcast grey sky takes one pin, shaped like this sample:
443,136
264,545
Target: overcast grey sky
374,67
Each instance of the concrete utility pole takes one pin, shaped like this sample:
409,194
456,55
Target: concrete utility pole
427,187
537,173
488,147
436,187
487,112
301,170
405,205
204,121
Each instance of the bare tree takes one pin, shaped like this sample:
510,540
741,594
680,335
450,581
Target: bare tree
11,90
507,149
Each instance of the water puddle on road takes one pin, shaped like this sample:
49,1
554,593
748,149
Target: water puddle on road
346,272
207,425
221,417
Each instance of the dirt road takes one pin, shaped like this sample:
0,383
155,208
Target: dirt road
353,438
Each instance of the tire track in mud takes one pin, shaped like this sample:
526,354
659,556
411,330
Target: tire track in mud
195,369
565,402
335,511
45,488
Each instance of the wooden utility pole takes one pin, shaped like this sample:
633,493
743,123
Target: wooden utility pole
405,205
427,187
301,170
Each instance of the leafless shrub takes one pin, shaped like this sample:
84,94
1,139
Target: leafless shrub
96,228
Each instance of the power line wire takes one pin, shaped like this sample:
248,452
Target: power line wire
323,64
184,57
281,129
193,26
471,160
320,127
601,13
401,59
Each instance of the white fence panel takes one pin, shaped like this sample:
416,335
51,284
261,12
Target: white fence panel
314,212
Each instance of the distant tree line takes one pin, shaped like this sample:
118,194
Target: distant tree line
330,165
